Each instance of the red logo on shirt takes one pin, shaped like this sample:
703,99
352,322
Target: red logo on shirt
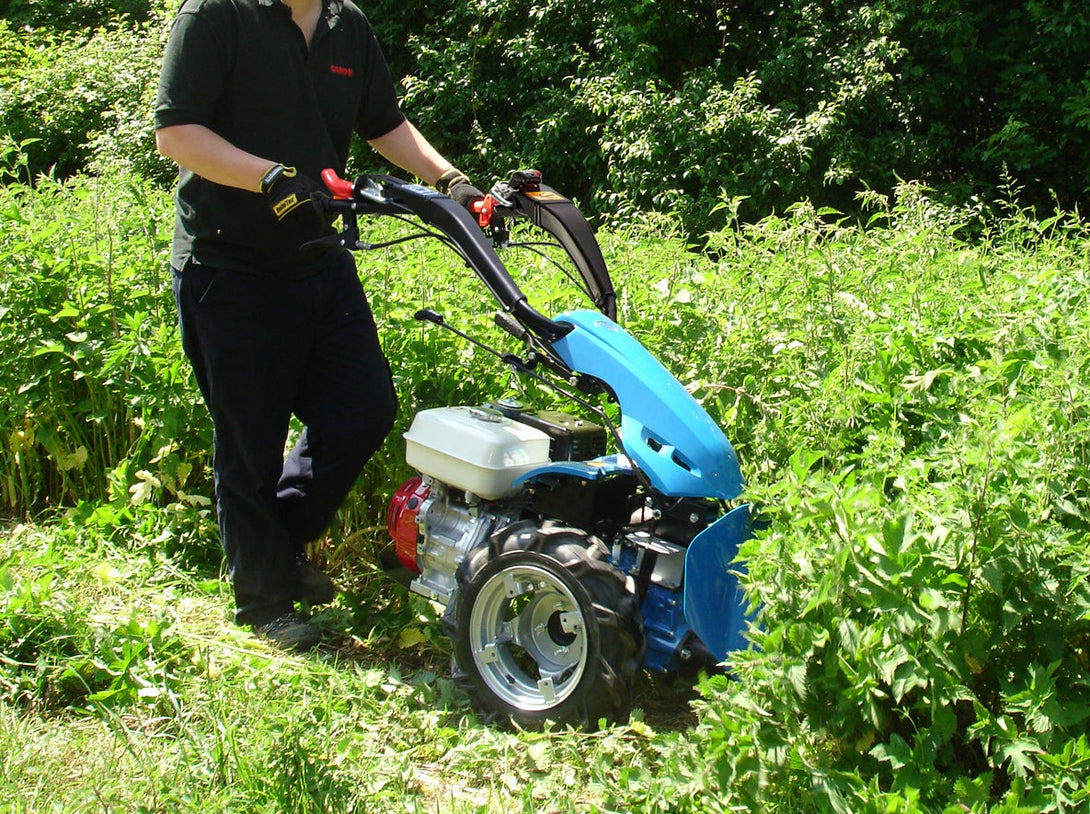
340,70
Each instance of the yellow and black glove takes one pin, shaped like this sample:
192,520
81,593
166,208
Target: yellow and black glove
290,194
455,184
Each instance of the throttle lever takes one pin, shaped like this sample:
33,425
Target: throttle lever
483,209
338,186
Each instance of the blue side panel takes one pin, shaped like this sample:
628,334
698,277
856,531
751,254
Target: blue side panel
587,470
714,602
664,625
665,628
665,431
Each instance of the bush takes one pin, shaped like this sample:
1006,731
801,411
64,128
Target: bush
82,99
80,15
677,106
912,414
95,388
625,107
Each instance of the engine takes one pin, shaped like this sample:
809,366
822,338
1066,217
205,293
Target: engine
470,460
433,533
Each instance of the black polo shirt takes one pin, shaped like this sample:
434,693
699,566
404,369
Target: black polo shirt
243,69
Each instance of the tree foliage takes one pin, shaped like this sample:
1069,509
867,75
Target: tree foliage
676,106
673,107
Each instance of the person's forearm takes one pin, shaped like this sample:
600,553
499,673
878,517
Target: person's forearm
210,156
406,147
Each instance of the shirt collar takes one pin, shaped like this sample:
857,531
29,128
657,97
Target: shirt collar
332,9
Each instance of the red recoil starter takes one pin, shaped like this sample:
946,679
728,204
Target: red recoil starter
401,520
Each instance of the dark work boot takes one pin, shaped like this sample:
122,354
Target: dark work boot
289,631
315,586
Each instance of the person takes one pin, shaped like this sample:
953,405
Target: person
255,99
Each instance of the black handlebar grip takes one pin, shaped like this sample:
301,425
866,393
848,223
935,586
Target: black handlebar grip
428,315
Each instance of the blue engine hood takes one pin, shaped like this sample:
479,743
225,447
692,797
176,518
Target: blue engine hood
665,432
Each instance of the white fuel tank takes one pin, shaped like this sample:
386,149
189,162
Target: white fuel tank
475,449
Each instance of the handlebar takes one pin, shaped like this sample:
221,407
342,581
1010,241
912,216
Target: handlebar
524,195
387,195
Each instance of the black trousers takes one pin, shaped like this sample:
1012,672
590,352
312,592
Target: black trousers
263,349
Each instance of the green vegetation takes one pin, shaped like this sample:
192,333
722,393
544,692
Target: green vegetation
651,106
901,367
910,408
125,689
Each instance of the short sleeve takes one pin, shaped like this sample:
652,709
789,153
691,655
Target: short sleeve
197,59
379,111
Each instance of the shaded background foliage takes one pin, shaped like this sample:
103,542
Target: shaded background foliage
629,107
674,105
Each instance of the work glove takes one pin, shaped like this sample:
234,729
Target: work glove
290,194
455,184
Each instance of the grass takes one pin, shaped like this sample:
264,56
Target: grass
211,719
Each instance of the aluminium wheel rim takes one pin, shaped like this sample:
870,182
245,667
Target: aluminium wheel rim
528,637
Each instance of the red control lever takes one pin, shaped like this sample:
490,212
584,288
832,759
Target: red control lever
483,208
337,185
